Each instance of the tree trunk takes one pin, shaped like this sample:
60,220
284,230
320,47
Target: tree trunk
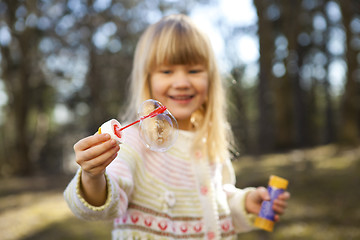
25,86
265,99
15,76
349,133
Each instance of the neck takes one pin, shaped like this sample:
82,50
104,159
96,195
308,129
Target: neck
184,124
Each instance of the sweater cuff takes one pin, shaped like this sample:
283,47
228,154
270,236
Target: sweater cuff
82,199
242,220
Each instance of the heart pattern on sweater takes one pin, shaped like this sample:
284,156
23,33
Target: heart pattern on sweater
198,227
134,219
148,221
184,228
162,225
225,226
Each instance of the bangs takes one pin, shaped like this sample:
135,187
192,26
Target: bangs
177,43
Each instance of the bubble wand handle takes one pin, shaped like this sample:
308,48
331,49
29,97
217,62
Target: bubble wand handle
154,113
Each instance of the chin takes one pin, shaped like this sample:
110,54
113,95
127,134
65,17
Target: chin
181,117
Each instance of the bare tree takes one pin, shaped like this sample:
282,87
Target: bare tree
266,120
350,131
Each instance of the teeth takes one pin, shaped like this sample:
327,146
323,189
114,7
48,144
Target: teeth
181,97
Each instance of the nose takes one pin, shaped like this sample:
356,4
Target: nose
181,80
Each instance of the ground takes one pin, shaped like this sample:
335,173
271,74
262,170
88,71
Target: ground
324,186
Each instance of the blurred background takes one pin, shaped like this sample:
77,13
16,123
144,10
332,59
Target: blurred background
291,69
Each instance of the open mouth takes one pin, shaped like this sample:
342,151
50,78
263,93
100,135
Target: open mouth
182,97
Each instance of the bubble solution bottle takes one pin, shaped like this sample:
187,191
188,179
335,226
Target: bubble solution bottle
265,220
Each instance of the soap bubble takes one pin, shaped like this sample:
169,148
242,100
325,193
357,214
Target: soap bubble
158,133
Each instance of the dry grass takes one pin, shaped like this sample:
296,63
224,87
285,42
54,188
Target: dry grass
34,208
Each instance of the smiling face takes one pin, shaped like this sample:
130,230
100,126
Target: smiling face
181,88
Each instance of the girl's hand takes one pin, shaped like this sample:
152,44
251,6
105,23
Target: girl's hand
255,198
95,153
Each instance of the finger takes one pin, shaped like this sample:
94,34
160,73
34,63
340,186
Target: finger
277,218
278,209
109,160
96,151
98,166
279,206
284,196
99,170
90,141
280,203
97,155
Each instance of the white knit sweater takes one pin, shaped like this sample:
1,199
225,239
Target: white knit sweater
171,195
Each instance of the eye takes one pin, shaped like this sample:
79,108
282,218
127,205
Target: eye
166,71
194,71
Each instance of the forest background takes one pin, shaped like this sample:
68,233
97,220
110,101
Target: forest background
293,101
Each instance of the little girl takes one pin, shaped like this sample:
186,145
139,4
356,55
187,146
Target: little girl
187,191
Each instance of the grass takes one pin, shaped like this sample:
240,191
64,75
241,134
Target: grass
324,186
34,208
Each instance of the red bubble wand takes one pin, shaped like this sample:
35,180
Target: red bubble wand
154,113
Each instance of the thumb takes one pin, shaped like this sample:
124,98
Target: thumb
264,194
255,198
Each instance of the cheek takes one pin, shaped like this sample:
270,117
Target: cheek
203,88
157,89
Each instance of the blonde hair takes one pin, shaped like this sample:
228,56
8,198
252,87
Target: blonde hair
176,40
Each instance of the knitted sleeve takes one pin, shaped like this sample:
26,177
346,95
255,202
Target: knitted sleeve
242,220
82,209
119,189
